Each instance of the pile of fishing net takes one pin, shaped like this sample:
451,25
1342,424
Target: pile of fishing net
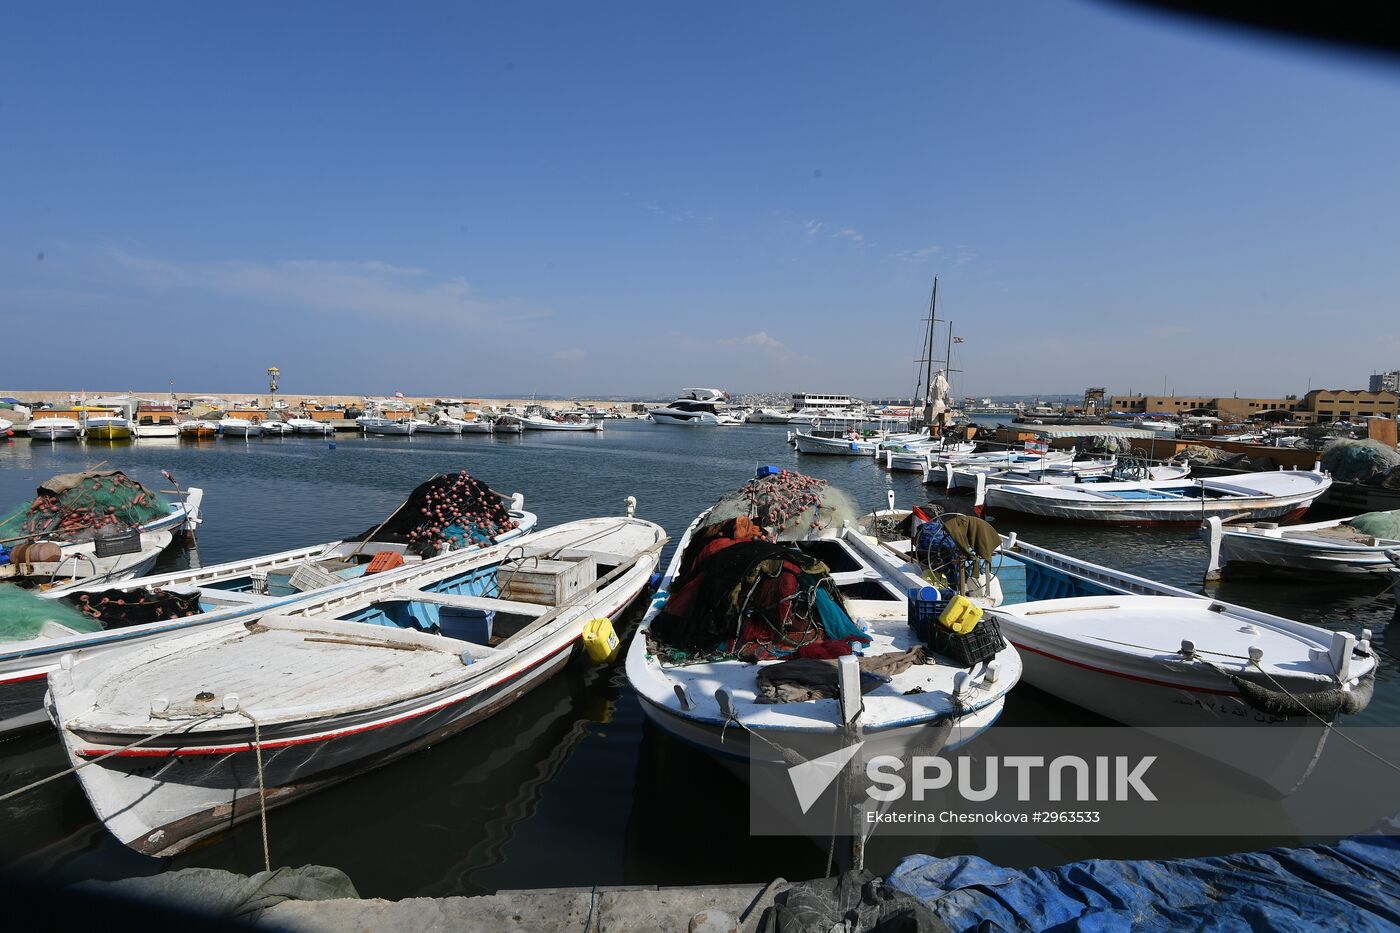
1378,524
75,506
449,511
740,594
1197,454
1359,461
1109,444
22,615
786,505
118,608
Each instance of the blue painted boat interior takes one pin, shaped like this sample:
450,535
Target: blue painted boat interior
1027,581
404,613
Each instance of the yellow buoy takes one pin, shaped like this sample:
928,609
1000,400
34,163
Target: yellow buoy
600,641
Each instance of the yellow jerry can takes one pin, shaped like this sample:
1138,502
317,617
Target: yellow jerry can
600,641
961,616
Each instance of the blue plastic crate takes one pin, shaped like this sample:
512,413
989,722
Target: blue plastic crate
926,604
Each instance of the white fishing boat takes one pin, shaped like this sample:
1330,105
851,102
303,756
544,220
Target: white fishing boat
311,426
849,443
1053,467
238,427
101,561
508,424
1281,495
5,427
1326,549
476,423
55,429
1154,656
160,605
241,717
768,416
718,704
275,428
198,429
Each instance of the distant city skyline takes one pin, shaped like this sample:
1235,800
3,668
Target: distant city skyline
627,198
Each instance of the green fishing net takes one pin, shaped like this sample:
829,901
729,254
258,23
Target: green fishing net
74,506
22,614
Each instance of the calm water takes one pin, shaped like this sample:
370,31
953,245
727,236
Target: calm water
568,786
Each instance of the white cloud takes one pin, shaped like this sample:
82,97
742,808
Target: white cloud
849,234
569,355
367,288
917,255
760,339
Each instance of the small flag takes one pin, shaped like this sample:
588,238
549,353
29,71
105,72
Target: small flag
957,340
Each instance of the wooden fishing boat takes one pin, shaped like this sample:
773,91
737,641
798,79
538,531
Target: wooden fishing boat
223,592
966,477
400,427
848,444
1332,548
718,706
508,424
1151,655
240,716
275,428
1281,495
199,430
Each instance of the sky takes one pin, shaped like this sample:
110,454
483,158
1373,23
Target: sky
627,198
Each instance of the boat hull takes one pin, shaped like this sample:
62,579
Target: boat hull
1277,751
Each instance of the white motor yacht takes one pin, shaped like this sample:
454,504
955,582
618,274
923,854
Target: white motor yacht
696,407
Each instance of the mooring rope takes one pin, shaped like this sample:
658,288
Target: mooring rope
116,751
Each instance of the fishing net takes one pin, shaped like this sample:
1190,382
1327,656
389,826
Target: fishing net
451,510
1378,524
1358,461
786,505
75,506
1198,454
1109,444
117,608
22,615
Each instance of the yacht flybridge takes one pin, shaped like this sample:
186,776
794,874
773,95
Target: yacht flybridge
696,407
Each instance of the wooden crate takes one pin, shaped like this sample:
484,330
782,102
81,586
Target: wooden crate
543,581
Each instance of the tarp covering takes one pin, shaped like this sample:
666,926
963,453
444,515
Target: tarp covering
22,614
1353,885
223,894
73,507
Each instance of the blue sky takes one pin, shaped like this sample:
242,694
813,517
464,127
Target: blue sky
587,198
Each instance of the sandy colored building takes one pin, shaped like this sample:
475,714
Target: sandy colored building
1328,405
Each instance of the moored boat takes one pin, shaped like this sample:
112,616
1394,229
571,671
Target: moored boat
1282,495
274,428
1154,656
242,717
199,429
310,426
55,429
1343,547
238,427
714,675
146,608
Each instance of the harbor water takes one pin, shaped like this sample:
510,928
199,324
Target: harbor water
568,786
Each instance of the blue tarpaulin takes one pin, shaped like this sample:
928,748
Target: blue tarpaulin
1353,885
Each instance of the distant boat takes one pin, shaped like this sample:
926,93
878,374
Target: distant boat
55,429
696,408
442,424
199,429
540,422
308,697
310,426
238,427
1280,494
508,424
108,428
156,421
402,427
276,428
